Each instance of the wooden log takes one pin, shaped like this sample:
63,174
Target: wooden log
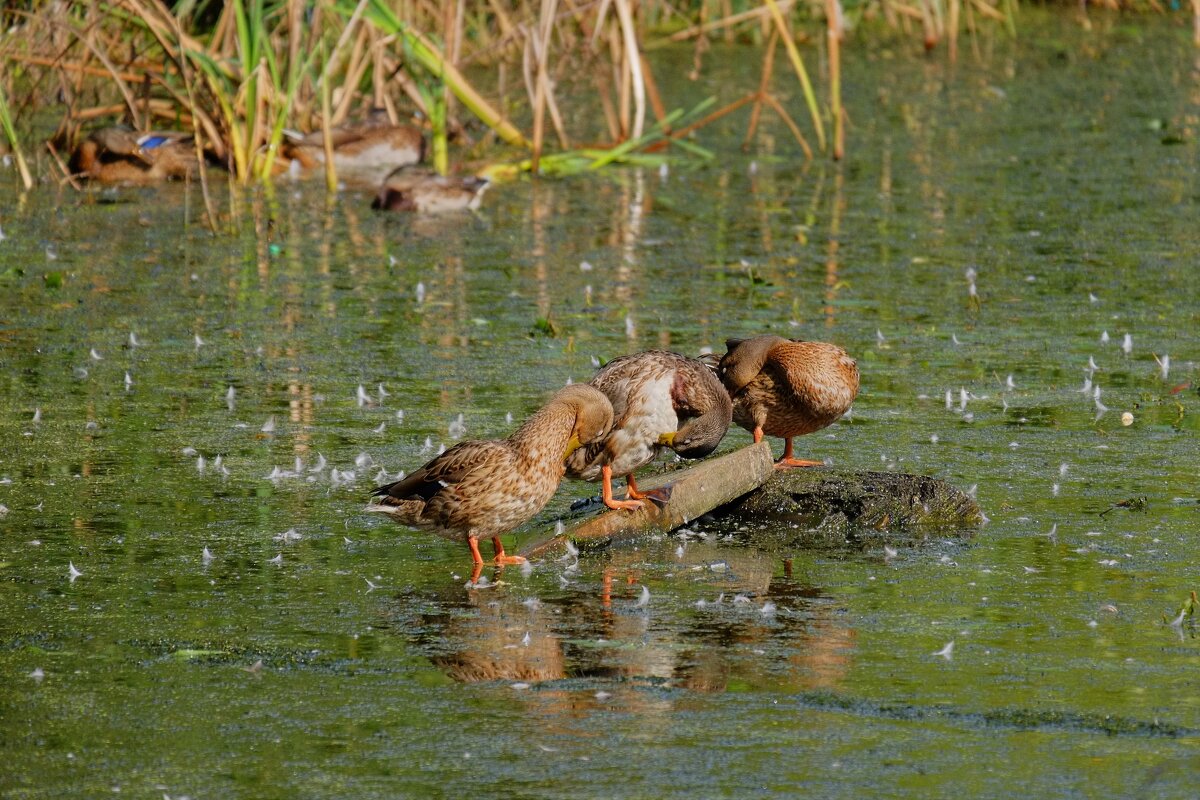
812,507
693,492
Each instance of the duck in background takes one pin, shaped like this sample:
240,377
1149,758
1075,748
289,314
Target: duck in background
660,400
787,388
118,154
481,489
363,152
412,188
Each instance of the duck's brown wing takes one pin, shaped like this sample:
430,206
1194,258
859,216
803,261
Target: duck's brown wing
452,467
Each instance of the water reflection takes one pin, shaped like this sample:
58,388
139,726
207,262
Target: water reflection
716,618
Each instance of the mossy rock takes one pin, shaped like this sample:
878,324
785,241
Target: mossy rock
829,507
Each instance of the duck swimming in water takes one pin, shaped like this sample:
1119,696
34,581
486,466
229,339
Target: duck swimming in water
424,191
117,154
363,152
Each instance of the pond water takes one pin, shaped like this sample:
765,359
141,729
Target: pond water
352,662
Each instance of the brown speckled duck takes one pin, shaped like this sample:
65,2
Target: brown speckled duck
660,400
363,152
479,489
787,388
413,188
117,154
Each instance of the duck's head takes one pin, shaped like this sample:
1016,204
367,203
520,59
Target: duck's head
699,436
744,358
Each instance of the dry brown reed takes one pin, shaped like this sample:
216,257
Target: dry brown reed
241,73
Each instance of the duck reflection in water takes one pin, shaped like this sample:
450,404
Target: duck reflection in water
505,633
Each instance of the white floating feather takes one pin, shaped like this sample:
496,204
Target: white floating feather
946,652
644,598
290,535
269,425
1164,365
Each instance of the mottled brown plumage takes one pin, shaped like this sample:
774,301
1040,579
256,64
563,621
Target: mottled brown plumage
479,489
413,188
363,152
118,154
660,399
787,388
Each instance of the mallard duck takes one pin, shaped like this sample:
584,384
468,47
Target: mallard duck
363,152
117,154
480,489
422,190
660,400
787,388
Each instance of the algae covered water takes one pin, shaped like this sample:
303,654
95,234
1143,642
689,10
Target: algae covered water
194,602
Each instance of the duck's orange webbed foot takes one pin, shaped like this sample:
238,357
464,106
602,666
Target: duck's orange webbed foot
627,505
789,461
503,558
606,492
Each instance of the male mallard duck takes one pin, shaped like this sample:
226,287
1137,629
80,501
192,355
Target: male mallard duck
482,489
118,154
424,191
660,399
786,387
363,152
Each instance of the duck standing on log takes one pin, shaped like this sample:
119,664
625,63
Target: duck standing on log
479,489
660,400
787,388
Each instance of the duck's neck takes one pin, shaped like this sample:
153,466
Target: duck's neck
551,426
